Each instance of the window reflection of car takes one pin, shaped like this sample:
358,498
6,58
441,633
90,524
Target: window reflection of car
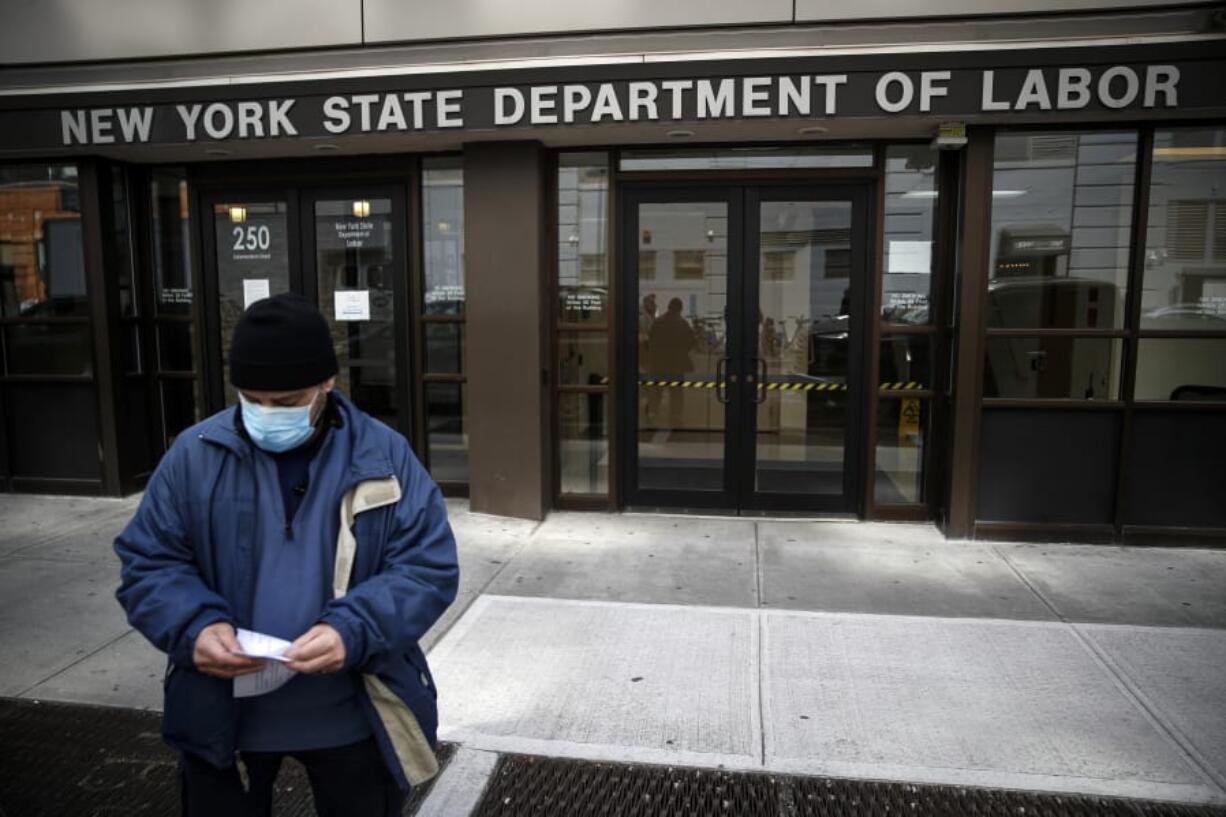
1183,316
1044,301
1051,366
1185,368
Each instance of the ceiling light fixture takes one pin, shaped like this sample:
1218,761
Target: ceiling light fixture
812,130
680,133
327,147
217,152
932,194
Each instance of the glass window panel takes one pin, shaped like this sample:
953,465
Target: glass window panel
802,346
906,363
171,242
252,246
42,257
747,158
1185,241
176,352
1181,369
355,259
583,358
901,428
583,222
446,437
444,348
48,348
179,402
1061,227
1053,367
680,346
443,235
583,423
910,219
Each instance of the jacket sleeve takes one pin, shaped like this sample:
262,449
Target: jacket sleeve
416,581
160,588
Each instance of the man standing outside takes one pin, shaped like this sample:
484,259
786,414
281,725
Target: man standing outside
294,515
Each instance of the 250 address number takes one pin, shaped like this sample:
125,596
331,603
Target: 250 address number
251,238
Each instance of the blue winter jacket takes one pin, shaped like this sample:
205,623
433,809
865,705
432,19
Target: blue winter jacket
189,560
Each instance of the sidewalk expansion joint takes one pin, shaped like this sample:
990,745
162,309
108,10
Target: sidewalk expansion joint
760,623
80,659
1126,685
481,591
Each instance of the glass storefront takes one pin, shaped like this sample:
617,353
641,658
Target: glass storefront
711,336
1138,341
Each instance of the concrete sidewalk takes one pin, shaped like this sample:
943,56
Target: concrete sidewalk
849,649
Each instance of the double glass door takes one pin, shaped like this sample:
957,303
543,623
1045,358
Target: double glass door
344,249
746,380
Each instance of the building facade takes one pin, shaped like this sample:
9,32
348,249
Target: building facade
897,261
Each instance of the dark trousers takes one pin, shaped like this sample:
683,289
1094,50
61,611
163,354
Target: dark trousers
347,781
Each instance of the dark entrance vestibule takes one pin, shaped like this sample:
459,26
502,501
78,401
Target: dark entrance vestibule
747,380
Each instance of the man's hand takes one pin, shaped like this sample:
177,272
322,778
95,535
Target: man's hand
319,649
216,653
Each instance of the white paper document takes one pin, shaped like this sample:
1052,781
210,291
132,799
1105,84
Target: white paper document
274,675
352,305
910,256
254,289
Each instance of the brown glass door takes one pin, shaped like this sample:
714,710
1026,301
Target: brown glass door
745,378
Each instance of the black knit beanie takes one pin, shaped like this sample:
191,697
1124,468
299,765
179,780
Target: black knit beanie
281,343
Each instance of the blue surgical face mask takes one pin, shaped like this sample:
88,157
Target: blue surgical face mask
277,429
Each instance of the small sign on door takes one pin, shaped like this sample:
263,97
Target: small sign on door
254,289
353,305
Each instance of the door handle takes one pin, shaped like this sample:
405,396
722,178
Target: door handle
760,397
721,383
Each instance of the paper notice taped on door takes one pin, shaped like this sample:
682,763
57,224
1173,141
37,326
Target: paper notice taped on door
910,256
352,305
254,289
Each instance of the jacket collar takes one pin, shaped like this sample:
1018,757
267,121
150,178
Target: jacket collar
353,428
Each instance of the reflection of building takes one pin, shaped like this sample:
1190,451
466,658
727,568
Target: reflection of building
1023,336
38,222
1032,251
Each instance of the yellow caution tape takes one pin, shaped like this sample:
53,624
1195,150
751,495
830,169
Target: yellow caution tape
773,386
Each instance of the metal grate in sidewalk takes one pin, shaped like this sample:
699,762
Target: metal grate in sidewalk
65,760
524,786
